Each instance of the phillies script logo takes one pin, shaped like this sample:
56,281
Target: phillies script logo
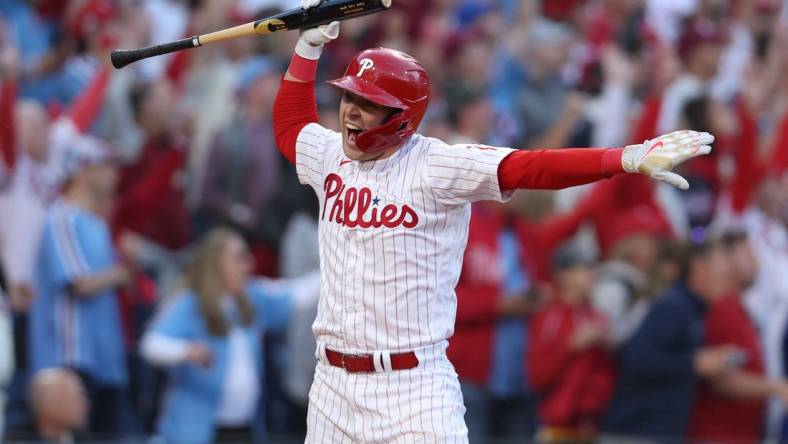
355,207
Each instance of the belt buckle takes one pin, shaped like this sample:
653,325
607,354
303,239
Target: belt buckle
349,366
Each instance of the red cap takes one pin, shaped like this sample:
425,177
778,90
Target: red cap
767,6
643,219
698,32
91,17
561,10
393,79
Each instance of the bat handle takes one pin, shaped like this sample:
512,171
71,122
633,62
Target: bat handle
123,57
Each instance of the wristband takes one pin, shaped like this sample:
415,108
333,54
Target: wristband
302,68
611,162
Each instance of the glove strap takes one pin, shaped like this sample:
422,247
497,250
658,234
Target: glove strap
308,51
629,158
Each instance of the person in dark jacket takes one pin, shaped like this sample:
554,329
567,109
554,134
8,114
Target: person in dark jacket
659,366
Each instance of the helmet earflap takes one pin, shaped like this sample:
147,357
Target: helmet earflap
391,133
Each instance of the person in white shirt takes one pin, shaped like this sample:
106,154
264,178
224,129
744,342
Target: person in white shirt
6,355
31,186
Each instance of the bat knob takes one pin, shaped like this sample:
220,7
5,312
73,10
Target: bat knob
121,58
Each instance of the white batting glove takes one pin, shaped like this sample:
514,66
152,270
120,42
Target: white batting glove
306,4
311,41
656,158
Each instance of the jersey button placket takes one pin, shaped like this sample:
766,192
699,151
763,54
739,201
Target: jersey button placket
358,315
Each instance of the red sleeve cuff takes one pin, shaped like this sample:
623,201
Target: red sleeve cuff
302,68
611,162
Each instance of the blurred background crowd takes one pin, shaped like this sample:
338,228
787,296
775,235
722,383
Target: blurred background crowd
624,311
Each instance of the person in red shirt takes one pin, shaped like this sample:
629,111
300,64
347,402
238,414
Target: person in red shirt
569,362
730,407
151,196
495,294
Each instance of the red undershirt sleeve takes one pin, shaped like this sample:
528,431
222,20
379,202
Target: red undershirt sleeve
87,106
748,171
556,169
646,126
780,151
8,93
295,107
178,67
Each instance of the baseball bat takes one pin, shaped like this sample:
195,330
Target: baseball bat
296,18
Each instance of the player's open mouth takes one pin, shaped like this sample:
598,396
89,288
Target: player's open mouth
353,130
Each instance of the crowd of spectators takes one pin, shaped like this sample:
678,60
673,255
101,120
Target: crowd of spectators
158,256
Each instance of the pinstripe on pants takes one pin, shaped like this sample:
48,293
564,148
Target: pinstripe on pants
422,405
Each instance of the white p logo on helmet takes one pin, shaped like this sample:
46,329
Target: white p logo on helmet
365,65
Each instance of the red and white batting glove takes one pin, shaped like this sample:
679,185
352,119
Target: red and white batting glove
656,158
311,41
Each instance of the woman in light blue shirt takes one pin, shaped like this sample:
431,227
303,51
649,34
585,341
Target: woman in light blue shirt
210,336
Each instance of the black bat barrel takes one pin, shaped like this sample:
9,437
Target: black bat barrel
325,12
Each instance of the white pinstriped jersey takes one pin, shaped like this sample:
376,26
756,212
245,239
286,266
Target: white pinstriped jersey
392,234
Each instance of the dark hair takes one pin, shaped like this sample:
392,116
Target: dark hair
731,238
762,43
631,37
3,282
137,95
668,255
695,111
568,256
459,99
699,245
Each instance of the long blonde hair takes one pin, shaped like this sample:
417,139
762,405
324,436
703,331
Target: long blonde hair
204,277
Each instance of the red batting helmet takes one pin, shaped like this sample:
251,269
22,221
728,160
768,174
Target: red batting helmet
393,79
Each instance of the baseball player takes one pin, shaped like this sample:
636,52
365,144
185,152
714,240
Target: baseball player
393,223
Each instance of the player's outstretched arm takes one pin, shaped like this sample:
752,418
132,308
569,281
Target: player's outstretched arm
556,169
295,105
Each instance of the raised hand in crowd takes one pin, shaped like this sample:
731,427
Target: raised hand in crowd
712,361
664,69
20,297
780,391
591,334
9,63
618,69
89,286
520,305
